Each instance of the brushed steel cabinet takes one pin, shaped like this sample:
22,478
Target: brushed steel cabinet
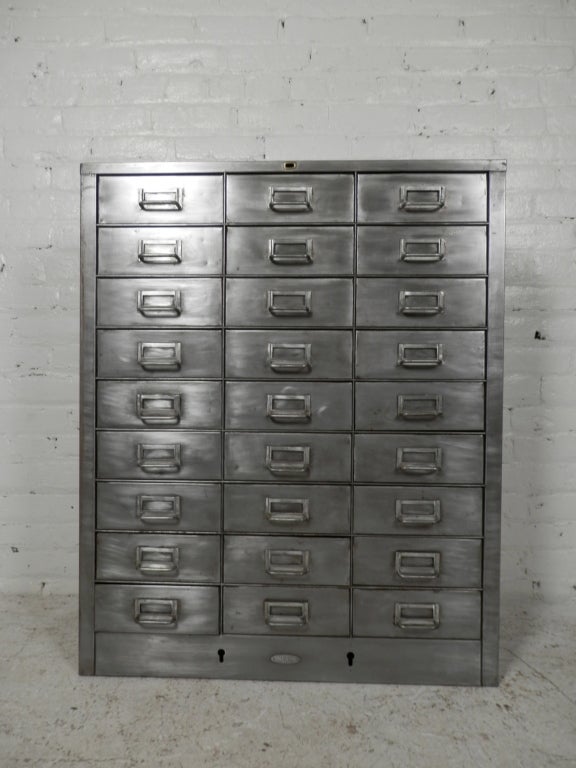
291,404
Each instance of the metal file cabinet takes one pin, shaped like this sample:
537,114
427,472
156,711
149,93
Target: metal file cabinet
291,420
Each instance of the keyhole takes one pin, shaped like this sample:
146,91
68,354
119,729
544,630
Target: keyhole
221,653
350,657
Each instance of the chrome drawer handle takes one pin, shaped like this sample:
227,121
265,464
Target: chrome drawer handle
417,615
289,303
171,200
287,511
286,613
158,510
160,251
290,199
418,250
417,565
421,302
158,408
420,355
159,355
419,461
291,252
419,407
160,303
159,459
288,459
287,562
422,198
157,561
289,408
156,612
290,358
418,511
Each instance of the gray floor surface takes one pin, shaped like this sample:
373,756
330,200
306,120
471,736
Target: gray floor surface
51,718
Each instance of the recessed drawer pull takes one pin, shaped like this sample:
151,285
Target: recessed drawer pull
422,250
417,615
419,407
417,565
286,613
419,461
290,199
288,459
158,510
422,198
289,303
159,459
289,408
157,612
290,358
171,200
420,355
157,561
158,408
287,511
160,303
287,562
291,252
421,302
418,511
160,251
160,356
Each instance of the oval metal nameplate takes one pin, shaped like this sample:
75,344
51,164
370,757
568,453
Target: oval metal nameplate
285,658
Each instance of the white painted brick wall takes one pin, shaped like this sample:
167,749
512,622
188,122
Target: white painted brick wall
198,79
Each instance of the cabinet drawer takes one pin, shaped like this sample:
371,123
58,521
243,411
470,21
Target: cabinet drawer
161,557
285,302
275,198
162,302
158,506
173,252
144,354
302,405
159,404
305,251
414,197
434,251
289,354
418,511
152,455
418,458
421,302
416,613
285,509
420,355
286,559
287,457
417,561
174,200
147,608
285,610
418,405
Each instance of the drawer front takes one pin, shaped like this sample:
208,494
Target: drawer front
157,455
287,457
274,251
414,197
286,509
143,354
418,458
417,613
435,251
174,252
286,560
146,608
158,506
419,405
149,557
420,355
418,511
277,198
163,302
159,404
286,302
289,354
302,405
421,302
285,610
173,200
417,561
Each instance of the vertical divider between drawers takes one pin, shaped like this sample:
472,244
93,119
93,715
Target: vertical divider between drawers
223,403
353,389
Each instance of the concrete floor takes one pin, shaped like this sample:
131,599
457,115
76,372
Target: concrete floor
51,718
